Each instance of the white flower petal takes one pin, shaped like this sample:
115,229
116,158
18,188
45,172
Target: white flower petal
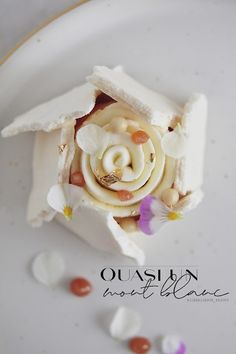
158,208
48,268
65,194
156,223
125,323
73,194
92,139
174,144
56,198
170,344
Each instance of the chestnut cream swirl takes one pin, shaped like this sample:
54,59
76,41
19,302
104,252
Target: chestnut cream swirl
140,169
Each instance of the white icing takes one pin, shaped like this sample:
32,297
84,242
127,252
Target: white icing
189,173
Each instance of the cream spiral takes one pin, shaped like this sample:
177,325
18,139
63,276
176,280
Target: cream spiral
144,169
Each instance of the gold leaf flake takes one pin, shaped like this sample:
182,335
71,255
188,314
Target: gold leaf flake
118,173
108,180
62,147
152,156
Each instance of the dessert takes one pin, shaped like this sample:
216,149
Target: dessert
113,159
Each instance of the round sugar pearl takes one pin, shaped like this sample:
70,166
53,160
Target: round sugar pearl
170,197
140,345
77,179
128,224
119,125
124,195
139,137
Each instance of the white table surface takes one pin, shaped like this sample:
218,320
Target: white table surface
16,22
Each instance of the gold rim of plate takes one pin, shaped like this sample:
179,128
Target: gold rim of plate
37,29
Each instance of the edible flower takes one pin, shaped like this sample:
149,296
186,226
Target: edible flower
65,198
174,143
153,213
93,139
172,344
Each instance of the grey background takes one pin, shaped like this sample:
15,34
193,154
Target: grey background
19,17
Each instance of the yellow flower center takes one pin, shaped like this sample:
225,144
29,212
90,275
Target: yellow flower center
174,215
68,212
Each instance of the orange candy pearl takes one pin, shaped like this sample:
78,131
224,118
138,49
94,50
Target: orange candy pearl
77,179
80,287
124,195
139,137
139,345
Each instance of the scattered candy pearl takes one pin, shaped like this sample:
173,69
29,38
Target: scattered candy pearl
170,196
139,345
140,137
80,287
119,125
77,179
128,224
124,195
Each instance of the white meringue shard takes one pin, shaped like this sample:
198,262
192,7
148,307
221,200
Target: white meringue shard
156,108
48,268
92,139
125,324
174,143
189,173
104,233
45,174
54,113
65,198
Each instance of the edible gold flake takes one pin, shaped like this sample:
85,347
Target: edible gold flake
62,147
152,155
108,180
118,173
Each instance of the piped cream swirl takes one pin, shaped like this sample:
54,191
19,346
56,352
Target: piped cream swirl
144,168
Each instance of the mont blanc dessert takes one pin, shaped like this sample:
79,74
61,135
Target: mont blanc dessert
114,159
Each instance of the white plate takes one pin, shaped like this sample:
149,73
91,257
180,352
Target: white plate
176,47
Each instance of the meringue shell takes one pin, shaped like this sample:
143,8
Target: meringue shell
189,172
54,150
156,108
